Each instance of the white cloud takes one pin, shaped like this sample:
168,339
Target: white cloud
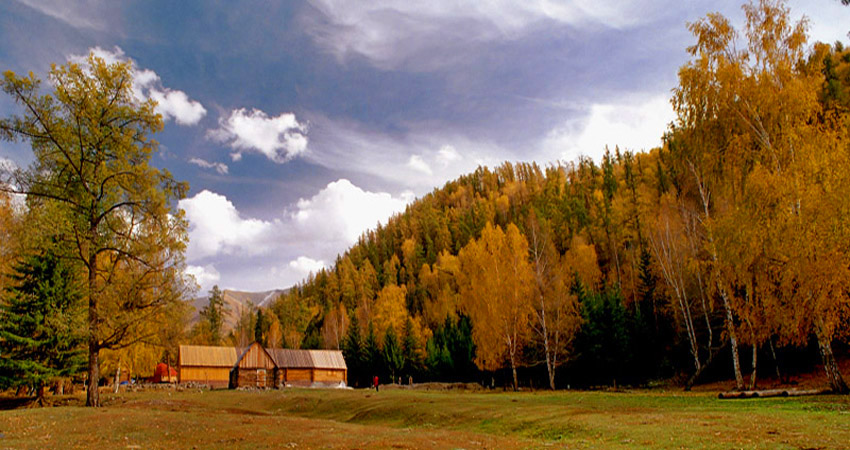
636,124
306,234
447,155
216,227
392,33
305,265
341,212
416,162
219,167
77,15
206,276
348,146
177,105
172,104
279,138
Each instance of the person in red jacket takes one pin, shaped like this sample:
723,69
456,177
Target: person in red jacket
375,383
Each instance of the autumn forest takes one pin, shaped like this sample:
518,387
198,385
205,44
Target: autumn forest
723,254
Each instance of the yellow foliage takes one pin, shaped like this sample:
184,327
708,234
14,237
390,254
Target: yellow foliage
390,311
496,288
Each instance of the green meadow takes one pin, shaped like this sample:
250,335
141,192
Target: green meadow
398,418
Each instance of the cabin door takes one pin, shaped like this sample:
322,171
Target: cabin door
261,378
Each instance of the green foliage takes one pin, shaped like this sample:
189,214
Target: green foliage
393,356
372,358
213,315
41,323
410,350
259,328
604,340
451,351
354,353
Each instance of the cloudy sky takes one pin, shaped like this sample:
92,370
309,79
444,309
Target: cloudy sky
301,124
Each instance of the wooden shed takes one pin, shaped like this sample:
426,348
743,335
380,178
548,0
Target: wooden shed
206,364
255,367
310,367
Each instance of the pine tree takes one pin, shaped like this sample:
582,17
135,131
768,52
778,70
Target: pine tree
392,354
259,326
371,353
352,350
41,324
213,314
410,350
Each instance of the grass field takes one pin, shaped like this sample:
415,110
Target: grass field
396,418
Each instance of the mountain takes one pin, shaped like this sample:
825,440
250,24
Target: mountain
236,302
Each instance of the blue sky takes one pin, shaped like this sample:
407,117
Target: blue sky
300,124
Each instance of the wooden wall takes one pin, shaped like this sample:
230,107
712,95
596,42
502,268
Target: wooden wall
305,377
329,375
256,358
214,376
260,378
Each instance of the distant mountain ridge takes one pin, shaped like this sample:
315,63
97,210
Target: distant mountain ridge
236,302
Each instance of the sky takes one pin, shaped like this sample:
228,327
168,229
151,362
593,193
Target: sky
299,125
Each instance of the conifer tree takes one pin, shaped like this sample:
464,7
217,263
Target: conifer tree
213,314
372,357
41,324
410,349
392,354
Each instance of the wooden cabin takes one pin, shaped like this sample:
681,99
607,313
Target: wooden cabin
255,367
310,367
206,364
260,367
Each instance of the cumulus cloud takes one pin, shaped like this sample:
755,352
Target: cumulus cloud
172,104
636,124
341,212
447,155
305,265
221,168
391,33
225,244
216,227
177,105
417,163
206,276
279,138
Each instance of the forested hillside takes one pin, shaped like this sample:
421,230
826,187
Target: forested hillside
731,239
723,253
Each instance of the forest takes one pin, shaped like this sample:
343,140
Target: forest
725,247
722,254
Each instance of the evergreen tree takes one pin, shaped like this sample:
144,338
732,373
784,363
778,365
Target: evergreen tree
41,324
392,354
259,327
604,340
648,349
213,314
410,350
372,357
352,351
451,351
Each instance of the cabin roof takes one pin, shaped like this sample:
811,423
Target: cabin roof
207,356
300,359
